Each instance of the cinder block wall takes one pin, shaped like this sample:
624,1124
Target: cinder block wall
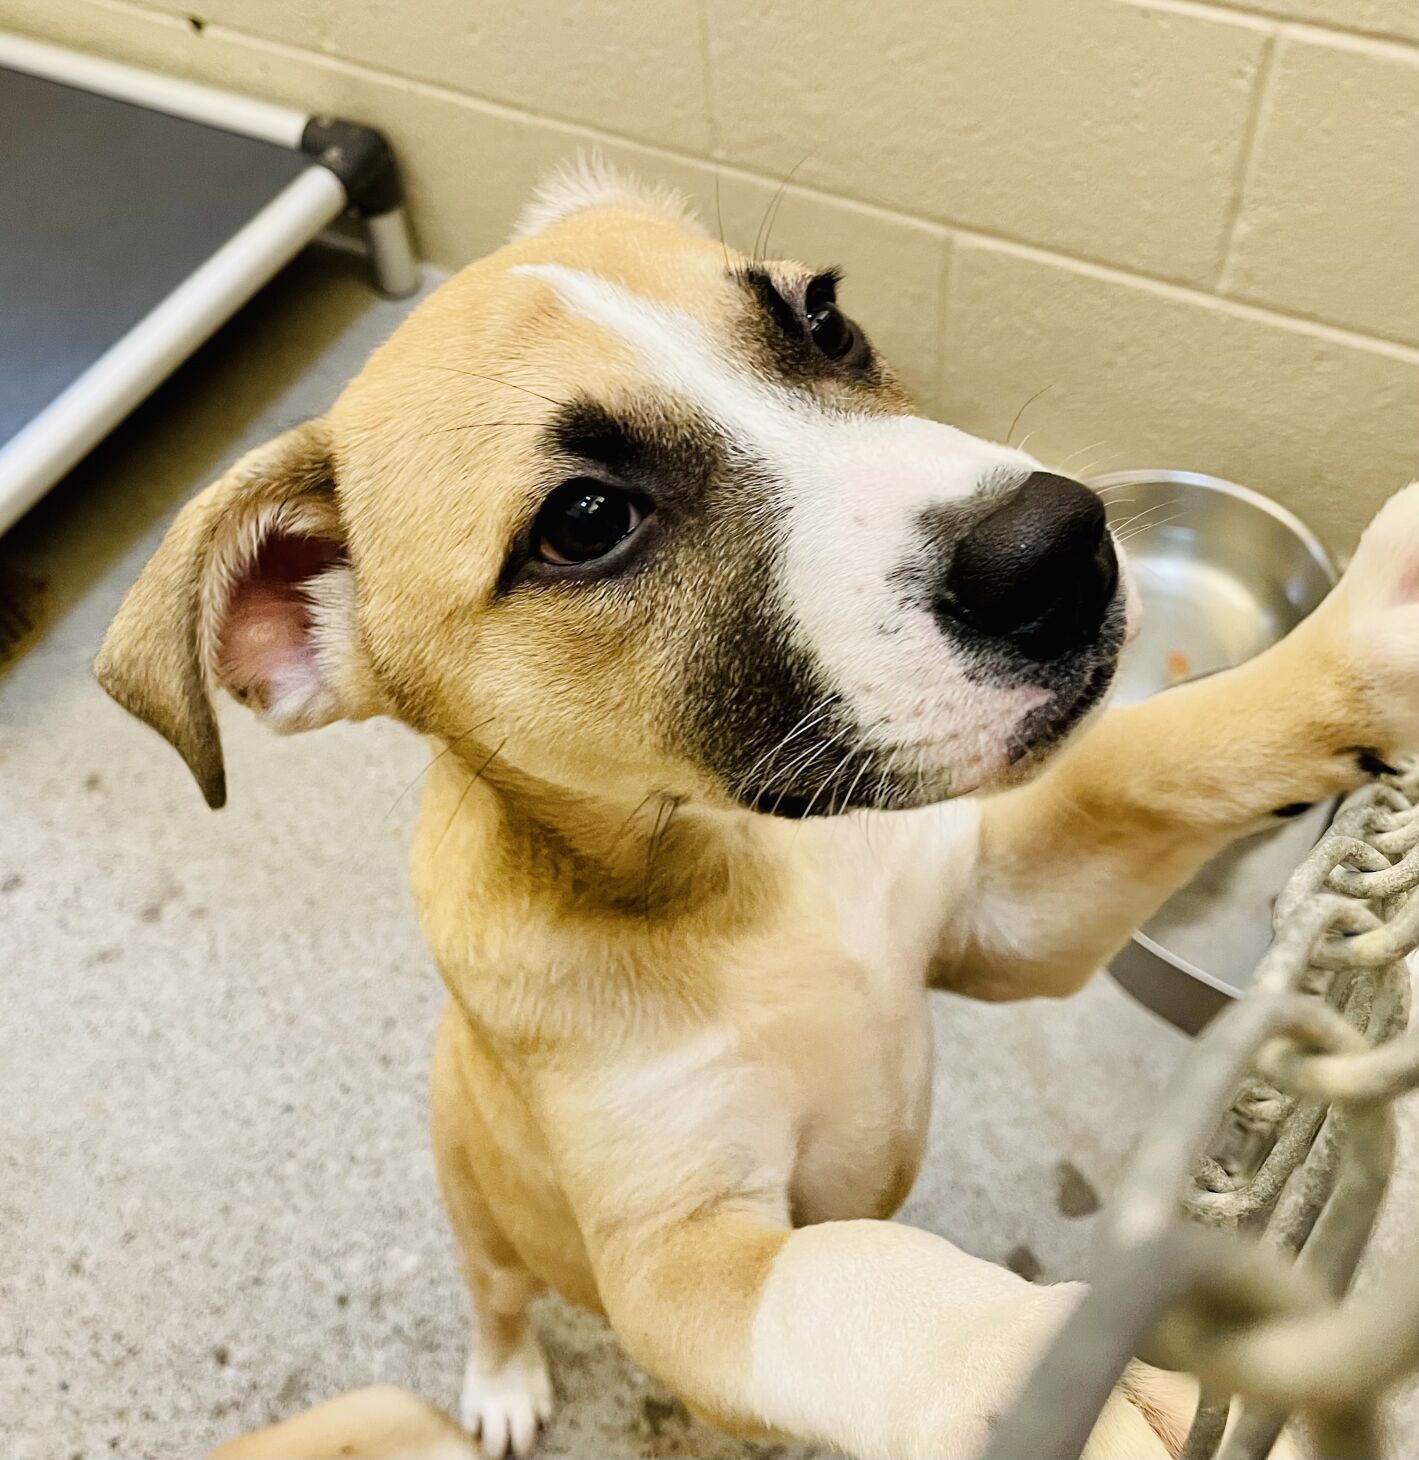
1193,226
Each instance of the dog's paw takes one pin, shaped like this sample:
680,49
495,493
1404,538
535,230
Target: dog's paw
1375,611
1384,571
1149,1414
506,1406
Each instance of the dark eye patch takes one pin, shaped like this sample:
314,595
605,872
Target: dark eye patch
660,455
591,433
822,290
783,314
784,337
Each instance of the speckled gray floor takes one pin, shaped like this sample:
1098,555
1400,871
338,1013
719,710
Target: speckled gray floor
216,1197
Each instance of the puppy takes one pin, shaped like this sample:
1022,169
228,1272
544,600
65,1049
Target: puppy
718,646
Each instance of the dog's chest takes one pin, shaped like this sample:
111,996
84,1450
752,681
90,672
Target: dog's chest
863,1077
851,1023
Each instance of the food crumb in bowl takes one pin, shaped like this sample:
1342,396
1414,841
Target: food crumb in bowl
1178,667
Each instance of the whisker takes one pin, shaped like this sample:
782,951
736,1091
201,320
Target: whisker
474,426
458,805
434,760
719,219
809,756
777,205
495,380
803,762
1149,527
852,789
670,806
1138,516
1075,455
1043,390
884,780
771,212
1094,464
828,781
636,811
920,774
814,713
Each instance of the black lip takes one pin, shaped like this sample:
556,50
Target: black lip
1043,728
780,803
1050,723
788,806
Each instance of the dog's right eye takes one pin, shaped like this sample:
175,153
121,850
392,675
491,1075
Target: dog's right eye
583,520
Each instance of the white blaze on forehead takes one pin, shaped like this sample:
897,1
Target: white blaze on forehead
677,352
854,487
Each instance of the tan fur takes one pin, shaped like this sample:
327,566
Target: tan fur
379,1423
684,1069
161,658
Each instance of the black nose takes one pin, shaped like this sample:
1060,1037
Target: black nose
1039,570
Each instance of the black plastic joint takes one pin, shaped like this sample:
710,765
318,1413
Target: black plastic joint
361,158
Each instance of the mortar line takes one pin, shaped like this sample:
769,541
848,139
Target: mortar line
1263,89
707,72
1308,325
1052,254
943,315
1336,32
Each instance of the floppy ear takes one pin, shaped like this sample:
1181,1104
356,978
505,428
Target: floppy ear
250,590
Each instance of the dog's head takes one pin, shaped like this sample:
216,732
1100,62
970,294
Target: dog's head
628,512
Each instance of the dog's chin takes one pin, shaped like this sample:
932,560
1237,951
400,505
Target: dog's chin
1038,738
1044,732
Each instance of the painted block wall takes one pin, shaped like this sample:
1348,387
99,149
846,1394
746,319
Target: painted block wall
1197,224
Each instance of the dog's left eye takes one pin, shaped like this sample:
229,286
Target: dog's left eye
583,520
831,331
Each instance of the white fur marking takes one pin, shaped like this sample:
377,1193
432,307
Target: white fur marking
506,1406
589,181
854,488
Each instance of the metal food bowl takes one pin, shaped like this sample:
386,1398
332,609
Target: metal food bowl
1223,573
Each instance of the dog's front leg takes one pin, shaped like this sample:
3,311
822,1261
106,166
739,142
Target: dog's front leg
871,1337
867,1336
1070,865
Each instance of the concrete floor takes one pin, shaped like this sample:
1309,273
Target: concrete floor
216,1198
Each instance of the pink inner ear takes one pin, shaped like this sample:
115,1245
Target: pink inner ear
266,653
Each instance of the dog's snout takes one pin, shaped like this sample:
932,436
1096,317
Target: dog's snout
1040,570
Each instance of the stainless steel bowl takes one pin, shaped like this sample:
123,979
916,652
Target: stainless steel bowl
1223,572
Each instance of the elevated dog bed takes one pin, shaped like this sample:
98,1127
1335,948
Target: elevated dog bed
137,214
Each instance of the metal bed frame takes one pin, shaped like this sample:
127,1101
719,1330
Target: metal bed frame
140,212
